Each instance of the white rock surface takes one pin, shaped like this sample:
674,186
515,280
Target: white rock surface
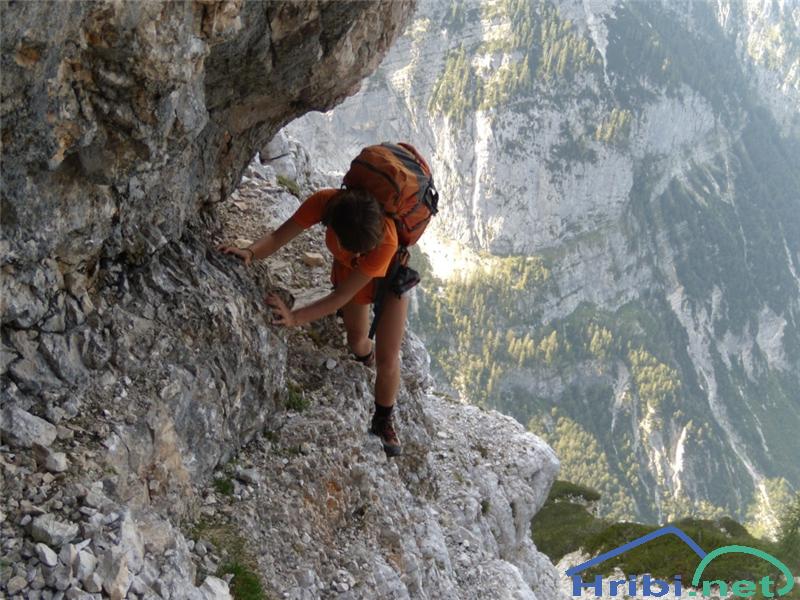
46,555
22,429
215,589
52,531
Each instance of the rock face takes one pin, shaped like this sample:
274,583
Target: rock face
121,121
451,518
639,162
24,429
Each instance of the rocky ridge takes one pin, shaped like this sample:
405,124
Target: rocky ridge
451,518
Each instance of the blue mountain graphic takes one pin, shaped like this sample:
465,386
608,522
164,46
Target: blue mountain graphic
669,529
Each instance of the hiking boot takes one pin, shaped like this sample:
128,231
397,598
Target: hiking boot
384,429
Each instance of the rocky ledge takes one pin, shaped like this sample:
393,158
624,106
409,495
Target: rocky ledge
128,491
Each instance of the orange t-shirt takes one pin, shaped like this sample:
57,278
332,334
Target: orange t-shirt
373,264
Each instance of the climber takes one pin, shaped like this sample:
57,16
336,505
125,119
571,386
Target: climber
370,266
356,230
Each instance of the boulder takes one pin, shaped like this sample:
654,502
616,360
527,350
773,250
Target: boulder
23,430
51,531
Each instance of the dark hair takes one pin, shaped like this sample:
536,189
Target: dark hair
356,218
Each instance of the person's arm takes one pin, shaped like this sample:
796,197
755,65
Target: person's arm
273,241
319,308
266,245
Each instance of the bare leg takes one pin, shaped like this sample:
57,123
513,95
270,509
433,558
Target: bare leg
356,323
388,338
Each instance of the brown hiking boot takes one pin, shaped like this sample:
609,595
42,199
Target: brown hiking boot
384,429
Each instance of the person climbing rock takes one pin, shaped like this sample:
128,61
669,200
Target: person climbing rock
387,199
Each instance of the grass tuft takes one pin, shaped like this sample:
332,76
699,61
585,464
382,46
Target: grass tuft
295,399
238,560
245,584
565,490
224,485
289,184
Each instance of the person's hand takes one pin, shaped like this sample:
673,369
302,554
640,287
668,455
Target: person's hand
244,253
282,314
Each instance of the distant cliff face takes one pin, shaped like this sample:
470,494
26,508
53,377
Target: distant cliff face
619,183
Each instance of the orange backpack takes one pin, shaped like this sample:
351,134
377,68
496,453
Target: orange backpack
401,180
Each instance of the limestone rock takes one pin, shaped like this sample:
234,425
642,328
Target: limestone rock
93,583
46,555
214,588
313,259
85,565
68,556
51,531
16,584
248,475
167,83
22,429
114,574
53,462
131,543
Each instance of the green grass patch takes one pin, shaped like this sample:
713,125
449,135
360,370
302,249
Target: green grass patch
566,490
237,558
245,584
290,451
224,485
668,556
562,527
316,336
289,184
295,399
